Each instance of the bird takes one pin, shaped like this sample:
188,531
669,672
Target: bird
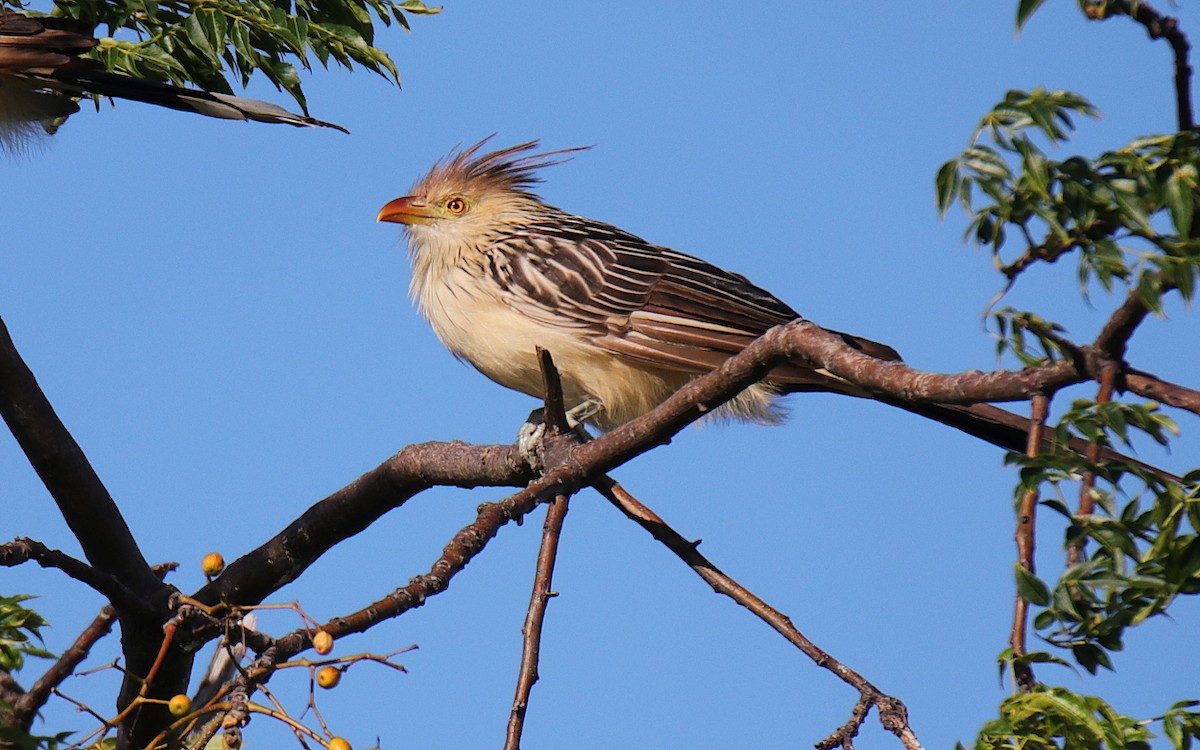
499,273
42,74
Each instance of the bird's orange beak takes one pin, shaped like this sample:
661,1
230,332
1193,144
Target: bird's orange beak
407,210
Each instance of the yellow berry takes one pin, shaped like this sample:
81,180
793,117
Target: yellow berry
322,642
337,743
180,705
212,564
329,677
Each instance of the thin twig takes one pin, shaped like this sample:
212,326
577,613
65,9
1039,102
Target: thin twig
81,707
531,632
1158,26
554,424
31,702
1026,525
892,712
1087,496
845,734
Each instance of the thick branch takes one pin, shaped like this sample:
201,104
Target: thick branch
256,575
1149,386
811,343
93,518
82,499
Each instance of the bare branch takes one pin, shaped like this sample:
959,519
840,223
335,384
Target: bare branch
93,517
81,497
892,711
1112,340
31,702
1026,523
1087,498
256,575
1149,386
23,550
1158,26
554,414
556,513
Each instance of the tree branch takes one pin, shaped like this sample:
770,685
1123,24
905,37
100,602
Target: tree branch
891,711
94,519
1158,26
1087,498
81,497
1149,386
813,344
22,550
31,702
531,631
257,574
1026,523
555,423
1114,337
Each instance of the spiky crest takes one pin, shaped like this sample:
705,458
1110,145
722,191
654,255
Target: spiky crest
512,169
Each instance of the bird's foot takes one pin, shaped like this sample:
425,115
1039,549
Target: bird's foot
529,437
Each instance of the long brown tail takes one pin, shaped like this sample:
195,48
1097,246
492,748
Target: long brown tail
1011,431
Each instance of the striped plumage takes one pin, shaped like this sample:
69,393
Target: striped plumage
497,273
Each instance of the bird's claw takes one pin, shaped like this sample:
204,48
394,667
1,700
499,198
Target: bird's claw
529,437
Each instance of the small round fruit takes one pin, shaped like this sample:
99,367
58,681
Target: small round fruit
322,642
180,705
212,564
329,677
233,738
337,743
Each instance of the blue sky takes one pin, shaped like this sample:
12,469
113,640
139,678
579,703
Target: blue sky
225,329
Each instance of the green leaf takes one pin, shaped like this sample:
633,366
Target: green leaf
1130,203
1025,9
199,38
1091,657
1031,588
946,185
1180,197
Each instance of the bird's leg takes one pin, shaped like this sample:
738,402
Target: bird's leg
529,437
583,411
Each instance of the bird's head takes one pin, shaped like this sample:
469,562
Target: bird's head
468,197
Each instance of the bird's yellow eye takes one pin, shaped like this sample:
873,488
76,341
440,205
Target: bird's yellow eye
456,206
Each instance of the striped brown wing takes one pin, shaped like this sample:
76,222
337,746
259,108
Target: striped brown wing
643,302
